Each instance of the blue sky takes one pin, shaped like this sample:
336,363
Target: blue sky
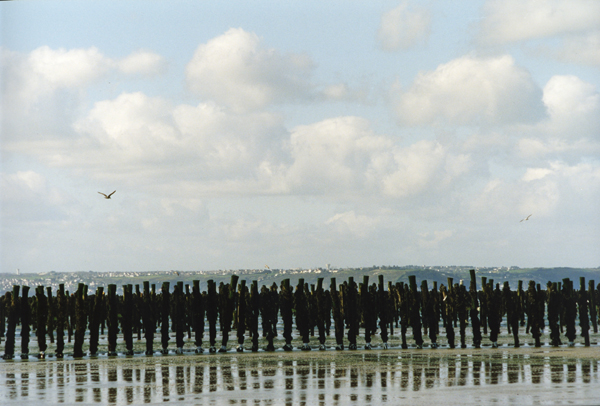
299,134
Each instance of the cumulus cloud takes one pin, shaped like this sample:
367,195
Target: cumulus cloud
150,142
209,150
29,78
338,153
235,70
571,129
45,70
433,239
343,155
573,106
584,49
553,190
351,224
403,27
471,90
28,197
518,20
142,62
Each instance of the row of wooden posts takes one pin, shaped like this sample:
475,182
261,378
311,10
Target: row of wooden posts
344,308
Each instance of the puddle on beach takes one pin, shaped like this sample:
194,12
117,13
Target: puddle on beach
305,379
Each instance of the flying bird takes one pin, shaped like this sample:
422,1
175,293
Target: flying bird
107,196
525,219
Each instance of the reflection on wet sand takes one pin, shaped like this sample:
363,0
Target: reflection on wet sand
365,379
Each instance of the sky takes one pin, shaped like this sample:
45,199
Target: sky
253,134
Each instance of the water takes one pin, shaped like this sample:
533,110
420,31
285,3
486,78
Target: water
330,378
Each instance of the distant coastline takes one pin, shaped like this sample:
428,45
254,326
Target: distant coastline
439,274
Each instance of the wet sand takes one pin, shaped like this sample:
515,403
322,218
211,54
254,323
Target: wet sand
526,375
505,376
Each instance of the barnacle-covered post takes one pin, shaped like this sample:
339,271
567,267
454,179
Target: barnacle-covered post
252,313
50,323
212,312
338,316
25,321
383,298
148,318
286,304
240,315
197,315
553,298
97,313
62,303
127,318
11,300
227,306
320,301
42,317
474,311
178,315
302,314
350,303
593,304
584,319
415,314
80,320
164,314
112,321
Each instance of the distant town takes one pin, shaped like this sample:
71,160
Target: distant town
267,276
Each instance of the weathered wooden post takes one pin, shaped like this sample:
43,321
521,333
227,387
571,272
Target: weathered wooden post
50,324
80,320
97,313
112,321
164,313
474,310
42,317
25,321
197,315
127,318
584,320
212,312
338,317
593,304
62,303
286,305
252,313
148,318
12,317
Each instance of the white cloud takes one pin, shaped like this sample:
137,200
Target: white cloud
335,154
235,70
471,90
571,129
403,27
573,107
44,70
28,197
142,62
135,126
349,224
433,239
147,142
581,49
518,20
536,173
342,156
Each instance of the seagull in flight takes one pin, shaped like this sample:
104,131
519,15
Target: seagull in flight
525,219
107,196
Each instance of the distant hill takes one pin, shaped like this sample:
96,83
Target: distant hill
269,276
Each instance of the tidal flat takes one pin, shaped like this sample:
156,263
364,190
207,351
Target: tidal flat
527,375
